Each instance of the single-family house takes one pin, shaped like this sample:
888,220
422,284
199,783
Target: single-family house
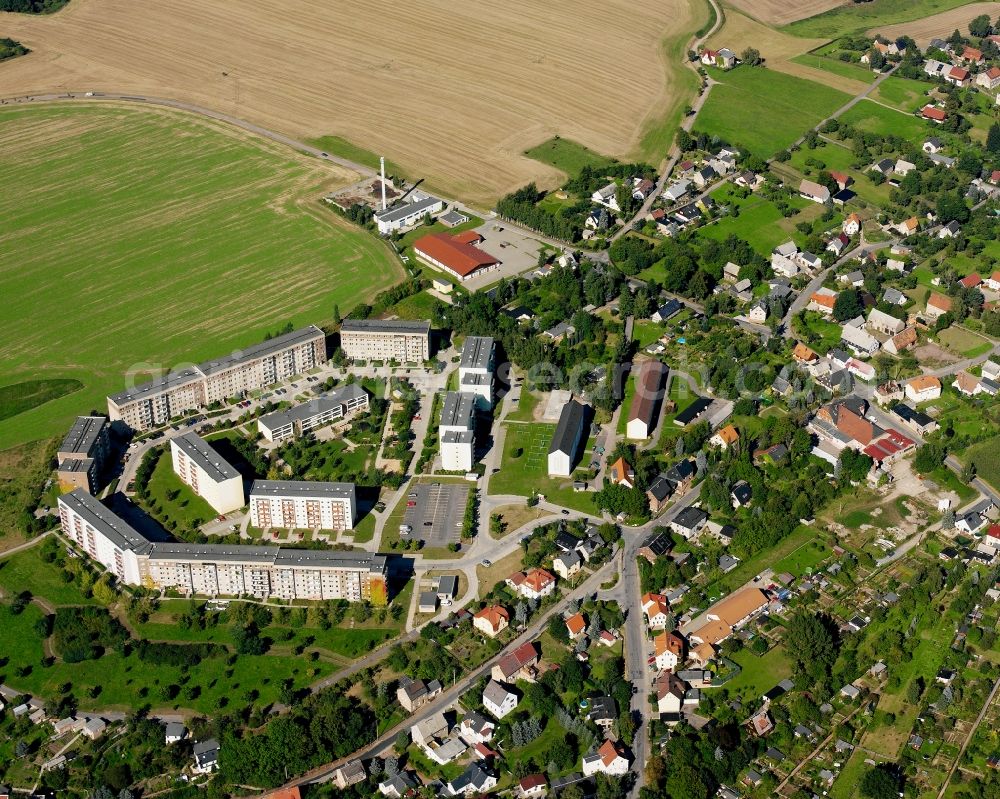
958,76
741,494
934,114
937,305
894,296
884,323
610,758
702,177
838,244
477,779
990,79
607,196
803,354
621,473
669,650
576,625
933,145
903,167
399,785
922,388
904,340
206,756
491,620
567,564
670,690
498,699
725,437
860,342
675,191
758,312
174,731
414,694
534,786
689,522
656,608
851,225
351,773
517,665
950,230
814,191
822,301
667,311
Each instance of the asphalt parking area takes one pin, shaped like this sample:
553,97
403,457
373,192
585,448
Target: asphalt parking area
436,514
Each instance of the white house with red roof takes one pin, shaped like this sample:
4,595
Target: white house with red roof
611,758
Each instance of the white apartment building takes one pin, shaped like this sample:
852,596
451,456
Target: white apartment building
155,403
304,505
457,432
83,453
475,370
375,340
219,569
208,474
314,414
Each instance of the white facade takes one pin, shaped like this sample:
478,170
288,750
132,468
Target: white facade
303,505
475,371
314,414
408,214
373,340
103,536
497,700
457,431
208,474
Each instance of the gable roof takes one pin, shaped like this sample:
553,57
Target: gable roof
728,434
576,624
803,353
495,616
647,391
939,301
455,252
571,420
924,382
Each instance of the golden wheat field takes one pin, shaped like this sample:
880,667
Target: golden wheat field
939,25
453,92
782,12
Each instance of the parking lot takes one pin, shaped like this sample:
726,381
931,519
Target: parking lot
434,512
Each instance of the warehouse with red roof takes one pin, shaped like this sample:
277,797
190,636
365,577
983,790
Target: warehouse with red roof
455,255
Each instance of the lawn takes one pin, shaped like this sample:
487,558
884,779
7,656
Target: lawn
139,240
26,571
341,147
756,223
498,571
528,473
844,69
985,456
847,19
567,156
875,118
905,94
524,410
963,342
178,501
759,674
838,157
798,539
803,559
765,111
820,333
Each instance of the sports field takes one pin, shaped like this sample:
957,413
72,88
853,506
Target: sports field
452,92
149,237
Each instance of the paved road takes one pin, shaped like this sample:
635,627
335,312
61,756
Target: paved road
687,123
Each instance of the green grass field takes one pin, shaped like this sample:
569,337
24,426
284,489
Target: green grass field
566,155
20,397
840,158
844,69
903,93
847,19
763,110
26,571
141,239
336,145
986,458
875,118
759,674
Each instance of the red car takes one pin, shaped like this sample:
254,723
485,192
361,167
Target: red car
411,504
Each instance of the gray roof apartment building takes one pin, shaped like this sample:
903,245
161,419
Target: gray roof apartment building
392,340
82,454
218,569
475,370
155,403
208,474
337,404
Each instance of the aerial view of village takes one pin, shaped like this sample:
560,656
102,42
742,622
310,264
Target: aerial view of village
585,400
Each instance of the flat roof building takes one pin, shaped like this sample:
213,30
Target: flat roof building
208,474
314,414
457,431
407,214
157,402
83,453
297,504
221,569
475,370
394,340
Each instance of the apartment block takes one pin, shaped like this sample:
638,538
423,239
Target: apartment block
475,370
219,569
303,505
83,454
155,403
376,340
457,431
208,474
314,414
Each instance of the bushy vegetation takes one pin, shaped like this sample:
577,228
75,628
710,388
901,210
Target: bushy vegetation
85,633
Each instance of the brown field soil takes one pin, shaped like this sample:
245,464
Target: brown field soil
782,12
939,25
453,92
778,49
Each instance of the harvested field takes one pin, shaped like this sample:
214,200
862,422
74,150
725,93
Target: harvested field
939,25
452,92
139,238
779,49
781,12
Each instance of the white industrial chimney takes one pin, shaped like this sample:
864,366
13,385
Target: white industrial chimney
382,162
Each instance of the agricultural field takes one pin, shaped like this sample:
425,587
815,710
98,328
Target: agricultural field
879,14
781,12
875,118
927,19
734,110
140,239
844,69
531,65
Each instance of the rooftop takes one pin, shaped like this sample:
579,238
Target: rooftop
205,457
477,351
385,326
302,489
83,434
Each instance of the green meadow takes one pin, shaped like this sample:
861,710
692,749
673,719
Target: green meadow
154,238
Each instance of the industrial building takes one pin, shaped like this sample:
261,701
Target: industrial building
83,454
208,474
219,569
157,402
303,505
456,255
376,340
407,214
314,414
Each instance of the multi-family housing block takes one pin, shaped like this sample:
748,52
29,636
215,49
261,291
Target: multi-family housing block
475,370
304,505
218,569
83,453
314,414
457,431
208,474
156,402
394,340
